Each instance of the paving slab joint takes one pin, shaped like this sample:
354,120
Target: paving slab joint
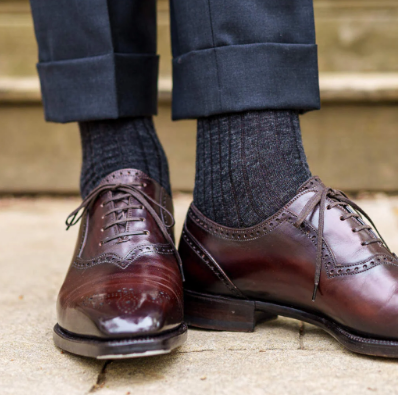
101,378
301,335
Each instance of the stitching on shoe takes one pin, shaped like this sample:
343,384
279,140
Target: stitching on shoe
163,202
126,299
327,259
254,233
260,230
135,174
333,269
123,263
330,264
157,281
348,270
209,261
364,339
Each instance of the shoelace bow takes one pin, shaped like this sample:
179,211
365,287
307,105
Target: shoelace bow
129,190
340,199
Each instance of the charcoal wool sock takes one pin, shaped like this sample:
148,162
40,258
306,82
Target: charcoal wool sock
111,145
248,165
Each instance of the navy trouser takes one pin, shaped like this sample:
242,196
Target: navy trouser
97,58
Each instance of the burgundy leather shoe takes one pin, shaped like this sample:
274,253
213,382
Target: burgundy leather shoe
315,260
123,296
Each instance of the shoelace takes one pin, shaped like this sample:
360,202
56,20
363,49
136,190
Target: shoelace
340,199
129,190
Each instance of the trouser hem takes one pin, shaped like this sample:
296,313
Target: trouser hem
238,78
102,87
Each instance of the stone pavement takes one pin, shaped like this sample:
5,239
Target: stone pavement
281,357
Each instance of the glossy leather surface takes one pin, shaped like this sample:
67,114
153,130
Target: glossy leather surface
275,262
130,286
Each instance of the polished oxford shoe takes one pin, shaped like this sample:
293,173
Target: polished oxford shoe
123,296
315,260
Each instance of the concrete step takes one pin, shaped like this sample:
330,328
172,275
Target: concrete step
334,87
351,143
357,128
353,36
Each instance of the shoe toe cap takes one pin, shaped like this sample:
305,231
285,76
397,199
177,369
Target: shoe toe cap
129,311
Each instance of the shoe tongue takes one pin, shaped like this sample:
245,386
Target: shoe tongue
312,183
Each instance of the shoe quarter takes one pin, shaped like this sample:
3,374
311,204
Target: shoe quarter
259,260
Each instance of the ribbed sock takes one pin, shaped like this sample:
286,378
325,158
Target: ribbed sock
248,165
111,145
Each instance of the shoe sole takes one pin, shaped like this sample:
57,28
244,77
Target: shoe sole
226,314
136,347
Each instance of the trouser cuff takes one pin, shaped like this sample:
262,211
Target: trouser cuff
102,87
245,77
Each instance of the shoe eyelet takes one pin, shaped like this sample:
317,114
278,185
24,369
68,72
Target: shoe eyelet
102,229
342,218
144,185
100,243
328,207
146,232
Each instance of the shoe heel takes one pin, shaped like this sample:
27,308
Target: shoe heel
222,314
